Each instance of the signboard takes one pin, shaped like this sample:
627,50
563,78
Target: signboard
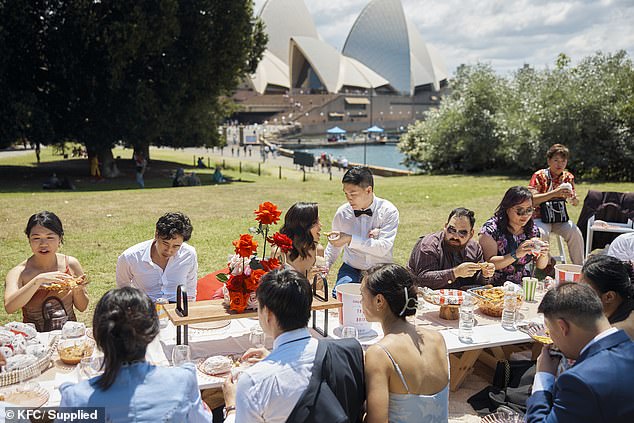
303,159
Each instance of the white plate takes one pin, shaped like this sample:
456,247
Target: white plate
211,325
34,396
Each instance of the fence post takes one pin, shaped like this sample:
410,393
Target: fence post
208,162
259,169
304,172
194,160
280,172
240,167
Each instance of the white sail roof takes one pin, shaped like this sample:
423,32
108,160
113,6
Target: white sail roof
285,19
383,39
270,71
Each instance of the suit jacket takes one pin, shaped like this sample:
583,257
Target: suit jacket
336,392
598,388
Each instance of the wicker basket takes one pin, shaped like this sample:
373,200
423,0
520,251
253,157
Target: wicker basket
491,300
34,370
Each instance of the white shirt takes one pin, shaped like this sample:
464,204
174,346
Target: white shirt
623,247
364,252
545,381
268,391
136,268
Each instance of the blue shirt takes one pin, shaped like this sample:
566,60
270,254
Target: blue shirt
143,392
268,391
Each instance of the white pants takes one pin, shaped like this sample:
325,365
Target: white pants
570,233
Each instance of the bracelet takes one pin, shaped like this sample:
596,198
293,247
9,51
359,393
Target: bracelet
229,409
513,255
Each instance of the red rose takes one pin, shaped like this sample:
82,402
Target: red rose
245,246
267,213
238,302
270,264
253,281
236,282
281,241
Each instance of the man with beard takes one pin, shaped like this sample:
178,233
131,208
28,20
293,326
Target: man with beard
450,258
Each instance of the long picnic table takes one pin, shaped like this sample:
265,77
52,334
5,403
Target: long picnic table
228,334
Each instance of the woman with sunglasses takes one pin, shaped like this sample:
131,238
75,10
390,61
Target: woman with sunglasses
510,239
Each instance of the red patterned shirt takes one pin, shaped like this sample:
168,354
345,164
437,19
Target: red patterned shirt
540,184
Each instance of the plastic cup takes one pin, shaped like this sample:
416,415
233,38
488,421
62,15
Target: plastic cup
529,286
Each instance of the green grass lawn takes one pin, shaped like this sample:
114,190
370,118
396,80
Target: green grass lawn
103,219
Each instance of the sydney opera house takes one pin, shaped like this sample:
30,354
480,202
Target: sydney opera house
385,75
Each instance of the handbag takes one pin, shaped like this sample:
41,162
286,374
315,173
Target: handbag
54,314
553,211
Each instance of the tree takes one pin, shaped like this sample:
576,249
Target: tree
149,71
497,123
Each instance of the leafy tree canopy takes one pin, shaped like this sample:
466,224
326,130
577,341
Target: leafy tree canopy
147,71
489,122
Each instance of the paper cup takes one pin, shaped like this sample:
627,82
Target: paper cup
529,285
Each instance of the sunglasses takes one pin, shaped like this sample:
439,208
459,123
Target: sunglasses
524,212
462,233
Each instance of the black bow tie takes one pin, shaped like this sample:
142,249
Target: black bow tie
358,213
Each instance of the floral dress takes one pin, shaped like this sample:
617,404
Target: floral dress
508,243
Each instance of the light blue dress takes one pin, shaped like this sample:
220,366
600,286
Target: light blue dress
405,408
143,392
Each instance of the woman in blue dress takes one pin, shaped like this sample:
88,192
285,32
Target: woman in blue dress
131,389
407,372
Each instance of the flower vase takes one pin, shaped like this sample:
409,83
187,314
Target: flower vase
252,303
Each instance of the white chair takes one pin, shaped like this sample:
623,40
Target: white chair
613,227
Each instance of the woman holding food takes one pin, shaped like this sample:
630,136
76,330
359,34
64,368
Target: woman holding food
510,239
130,388
47,282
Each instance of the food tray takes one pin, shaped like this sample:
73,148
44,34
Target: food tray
43,363
490,299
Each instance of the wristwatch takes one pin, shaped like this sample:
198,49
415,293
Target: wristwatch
513,255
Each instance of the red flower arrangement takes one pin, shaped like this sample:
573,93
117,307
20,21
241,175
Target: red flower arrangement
245,267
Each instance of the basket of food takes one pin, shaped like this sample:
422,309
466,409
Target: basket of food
25,360
490,299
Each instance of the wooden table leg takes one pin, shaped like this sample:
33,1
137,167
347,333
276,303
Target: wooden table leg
461,367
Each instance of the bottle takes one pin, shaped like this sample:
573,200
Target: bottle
510,306
465,325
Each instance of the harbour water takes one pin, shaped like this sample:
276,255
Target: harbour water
385,155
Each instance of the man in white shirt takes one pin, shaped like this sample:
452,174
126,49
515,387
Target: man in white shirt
269,390
365,228
159,265
598,388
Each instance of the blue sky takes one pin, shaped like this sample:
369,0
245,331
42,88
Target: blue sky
504,33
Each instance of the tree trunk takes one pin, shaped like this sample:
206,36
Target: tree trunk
109,167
